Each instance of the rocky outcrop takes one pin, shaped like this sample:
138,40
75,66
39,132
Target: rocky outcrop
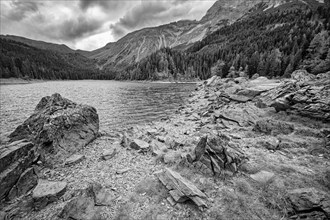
216,155
58,127
181,189
304,94
309,203
16,177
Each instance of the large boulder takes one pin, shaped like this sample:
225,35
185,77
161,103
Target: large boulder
302,76
59,128
15,159
216,154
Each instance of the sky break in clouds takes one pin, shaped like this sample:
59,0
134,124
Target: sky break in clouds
90,24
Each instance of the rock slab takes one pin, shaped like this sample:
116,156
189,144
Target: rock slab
74,159
47,192
15,159
309,200
181,189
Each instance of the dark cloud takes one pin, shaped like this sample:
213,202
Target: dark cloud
149,14
77,28
105,4
20,9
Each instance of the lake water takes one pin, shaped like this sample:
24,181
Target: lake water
119,104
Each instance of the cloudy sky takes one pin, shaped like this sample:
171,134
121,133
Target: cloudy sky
90,24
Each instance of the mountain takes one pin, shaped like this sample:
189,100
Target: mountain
18,59
61,48
271,40
139,44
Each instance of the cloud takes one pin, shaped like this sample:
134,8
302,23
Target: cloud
150,13
86,22
76,28
20,10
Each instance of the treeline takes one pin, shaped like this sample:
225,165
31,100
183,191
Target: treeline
24,61
272,44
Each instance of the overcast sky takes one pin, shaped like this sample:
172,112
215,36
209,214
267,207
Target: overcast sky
90,24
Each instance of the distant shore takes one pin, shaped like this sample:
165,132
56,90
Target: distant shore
13,81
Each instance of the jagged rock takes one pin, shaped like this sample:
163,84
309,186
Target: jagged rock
180,188
308,97
25,183
273,127
15,158
307,200
109,154
139,145
58,127
47,192
302,76
74,159
262,176
217,155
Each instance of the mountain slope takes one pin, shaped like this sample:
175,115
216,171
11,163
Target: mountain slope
136,45
271,41
21,60
61,48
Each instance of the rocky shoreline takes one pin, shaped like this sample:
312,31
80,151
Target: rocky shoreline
240,149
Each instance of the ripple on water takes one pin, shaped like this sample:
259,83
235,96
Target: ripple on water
119,104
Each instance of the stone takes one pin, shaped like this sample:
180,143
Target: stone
82,208
101,196
138,144
217,154
211,81
157,148
74,159
58,127
109,154
255,76
302,76
25,183
180,188
172,157
15,159
263,176
273,127
47,192
308,200
122,171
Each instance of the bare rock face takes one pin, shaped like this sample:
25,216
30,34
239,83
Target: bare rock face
58,127
181,189
309,203
15,159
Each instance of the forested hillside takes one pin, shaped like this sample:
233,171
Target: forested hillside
20,60
271,43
